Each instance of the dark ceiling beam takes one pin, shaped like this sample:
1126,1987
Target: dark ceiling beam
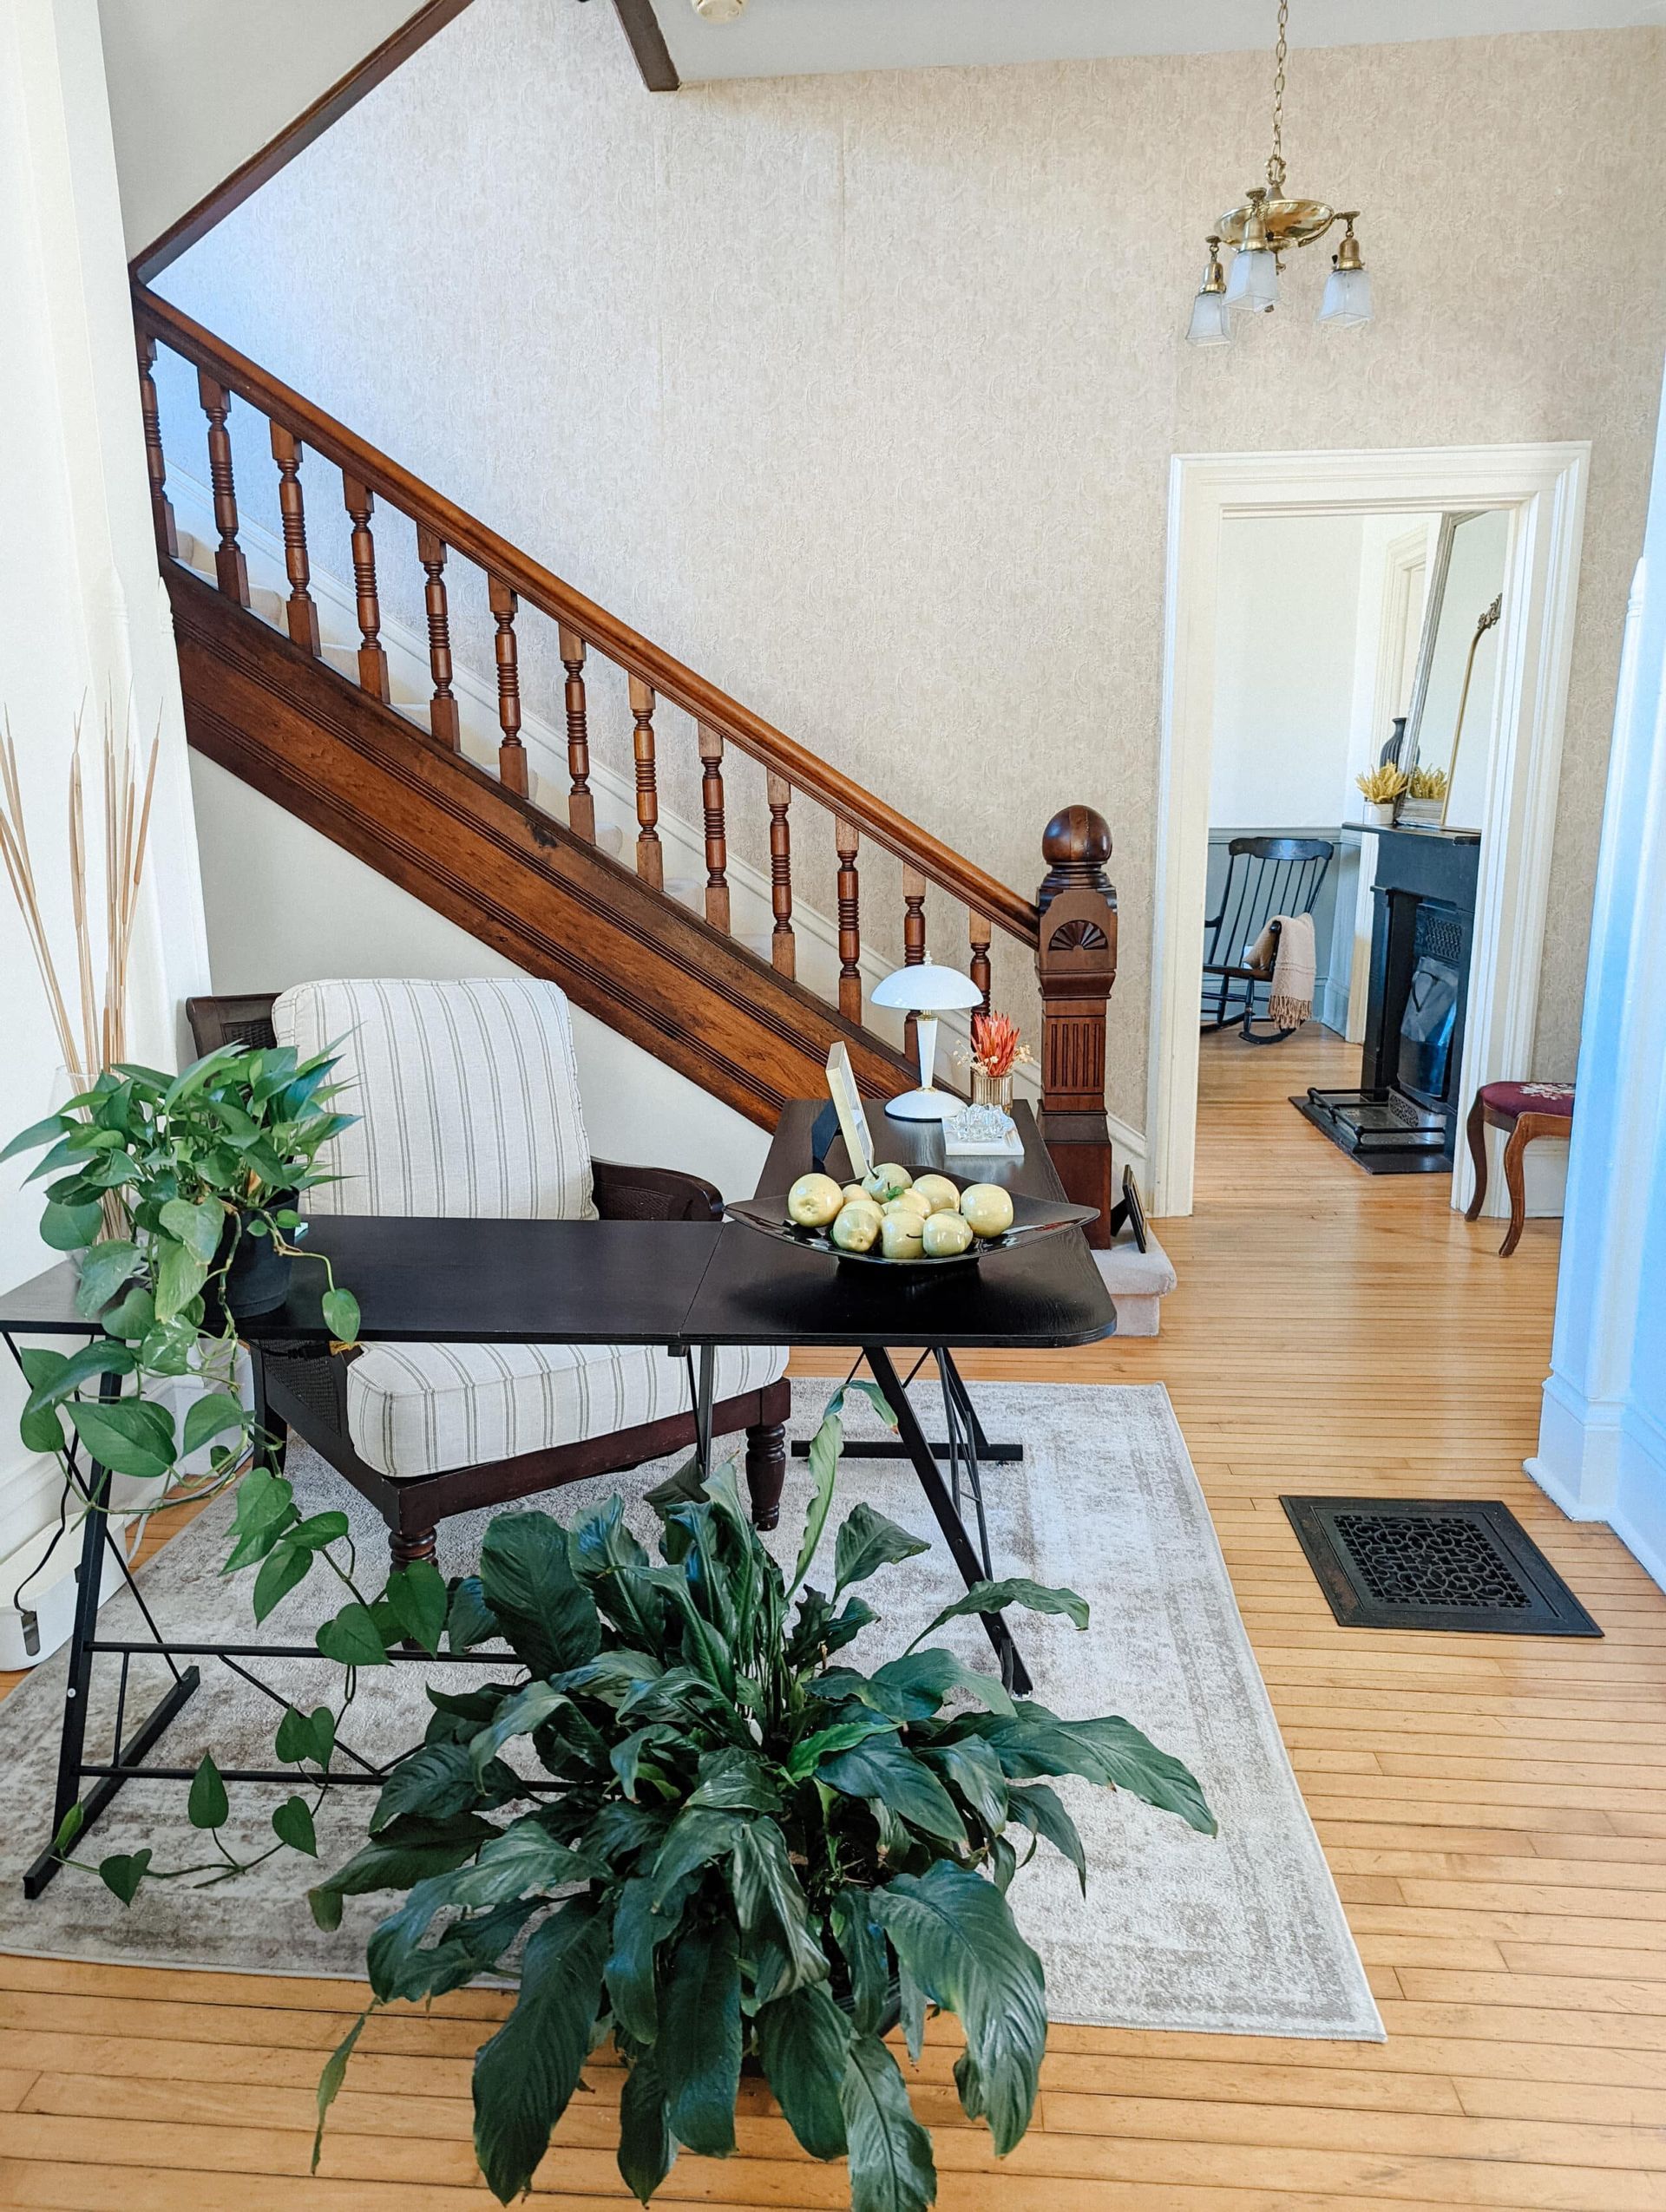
648,45
297,136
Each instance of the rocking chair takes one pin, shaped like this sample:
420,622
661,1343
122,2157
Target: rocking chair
1265,876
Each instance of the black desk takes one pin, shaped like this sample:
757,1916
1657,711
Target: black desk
689,1286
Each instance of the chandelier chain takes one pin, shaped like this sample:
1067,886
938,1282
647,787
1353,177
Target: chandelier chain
1275,160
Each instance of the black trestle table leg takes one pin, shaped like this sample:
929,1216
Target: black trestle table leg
1013,1673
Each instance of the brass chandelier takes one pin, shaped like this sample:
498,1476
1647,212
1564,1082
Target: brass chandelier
1262,230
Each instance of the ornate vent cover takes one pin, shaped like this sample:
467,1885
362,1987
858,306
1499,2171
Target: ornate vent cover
1436,1563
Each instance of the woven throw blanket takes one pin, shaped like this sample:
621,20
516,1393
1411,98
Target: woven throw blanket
1285,949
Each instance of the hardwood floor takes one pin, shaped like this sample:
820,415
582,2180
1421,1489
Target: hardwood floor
1493,1811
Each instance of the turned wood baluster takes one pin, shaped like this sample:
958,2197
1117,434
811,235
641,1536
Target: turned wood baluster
299,612
650,853
442,707
511,754
978,932
846,838
231,570
717,841
580,800
161,507
914,941
783,945
372,660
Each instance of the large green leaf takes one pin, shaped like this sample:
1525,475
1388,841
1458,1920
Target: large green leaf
959,1940
65,1377
292,1824
1037,1742
803,2039
914,1685
435,1781
469,1619
37,1133
734,1781
329,2081
417,1594
626,1757
826,1743
525,2076
867,1542
70,1229
266,1508
697,1837
517,1716
1016,1590
197,1228
971,1767
179,1276
770,1902
526,1578
646,2147
883,1770
698,2044
866,1959
611,1561
306,1736
207,1805
284,1566
210,1417
352,1637
104,1270
1038,1809
129,1436
525,1858
408,1852
891,2169
639,1930
824,1448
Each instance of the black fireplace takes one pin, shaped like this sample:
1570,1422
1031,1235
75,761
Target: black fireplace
1403,1118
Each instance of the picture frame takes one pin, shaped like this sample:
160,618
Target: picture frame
849,1112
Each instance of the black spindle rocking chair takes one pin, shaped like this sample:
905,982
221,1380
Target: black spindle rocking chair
1265,876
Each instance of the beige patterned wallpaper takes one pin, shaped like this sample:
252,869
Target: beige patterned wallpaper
860,392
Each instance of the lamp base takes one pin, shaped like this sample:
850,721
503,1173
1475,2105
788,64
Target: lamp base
923,1106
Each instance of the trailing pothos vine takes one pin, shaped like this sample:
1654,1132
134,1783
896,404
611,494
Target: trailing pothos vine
159,1183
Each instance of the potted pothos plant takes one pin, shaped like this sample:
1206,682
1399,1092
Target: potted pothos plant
165,1188
739,1849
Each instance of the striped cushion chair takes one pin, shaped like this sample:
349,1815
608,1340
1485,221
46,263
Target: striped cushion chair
468,1103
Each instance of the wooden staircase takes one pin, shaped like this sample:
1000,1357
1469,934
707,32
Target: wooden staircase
392,782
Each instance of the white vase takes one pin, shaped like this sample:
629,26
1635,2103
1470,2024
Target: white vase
1379,814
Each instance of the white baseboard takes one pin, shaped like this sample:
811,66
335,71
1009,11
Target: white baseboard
1605,1462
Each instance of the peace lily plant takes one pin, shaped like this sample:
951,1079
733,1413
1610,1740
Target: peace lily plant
739,1849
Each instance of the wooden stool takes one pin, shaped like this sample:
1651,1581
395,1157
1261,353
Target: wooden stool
1525,1110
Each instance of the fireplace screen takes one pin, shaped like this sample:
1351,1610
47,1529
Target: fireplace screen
1426,1025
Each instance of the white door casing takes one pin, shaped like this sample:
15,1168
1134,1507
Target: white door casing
1543,486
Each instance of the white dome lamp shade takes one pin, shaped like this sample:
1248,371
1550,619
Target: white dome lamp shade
1347,303
719,11
1253,284
1211,323
925,992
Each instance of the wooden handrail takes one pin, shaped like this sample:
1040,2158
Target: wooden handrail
780,755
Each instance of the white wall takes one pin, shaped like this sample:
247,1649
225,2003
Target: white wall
1602,1440
196,87
1286,644
286,906
84,616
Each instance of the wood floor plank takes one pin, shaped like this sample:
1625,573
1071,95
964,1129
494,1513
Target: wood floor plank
1494,1809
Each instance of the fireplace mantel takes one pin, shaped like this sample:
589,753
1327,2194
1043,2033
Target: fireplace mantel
1403,1118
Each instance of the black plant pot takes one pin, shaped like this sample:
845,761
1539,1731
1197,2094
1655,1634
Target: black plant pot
257,1280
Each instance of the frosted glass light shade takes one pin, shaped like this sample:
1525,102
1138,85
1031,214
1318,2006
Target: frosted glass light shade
1347,303
927,989
1253,284
1210,323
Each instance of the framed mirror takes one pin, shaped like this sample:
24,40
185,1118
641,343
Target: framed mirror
1451,711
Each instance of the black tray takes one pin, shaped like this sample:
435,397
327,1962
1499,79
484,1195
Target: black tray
1031,1218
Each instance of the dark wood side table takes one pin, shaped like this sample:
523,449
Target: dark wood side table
686,1286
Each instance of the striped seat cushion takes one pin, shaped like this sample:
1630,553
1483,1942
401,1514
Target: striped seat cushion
467,1096
418,1409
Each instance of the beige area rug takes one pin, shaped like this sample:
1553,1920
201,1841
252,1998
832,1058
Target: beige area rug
1240,1934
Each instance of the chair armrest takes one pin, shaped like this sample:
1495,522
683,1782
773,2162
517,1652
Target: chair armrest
652,1194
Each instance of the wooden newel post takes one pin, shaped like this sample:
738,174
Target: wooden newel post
1076,965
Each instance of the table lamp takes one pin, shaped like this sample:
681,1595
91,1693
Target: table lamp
926,991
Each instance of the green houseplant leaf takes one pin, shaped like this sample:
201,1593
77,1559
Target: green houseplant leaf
891,2166
525,2076
526,1578
698,2048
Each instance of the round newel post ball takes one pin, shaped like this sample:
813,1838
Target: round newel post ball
1076,844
